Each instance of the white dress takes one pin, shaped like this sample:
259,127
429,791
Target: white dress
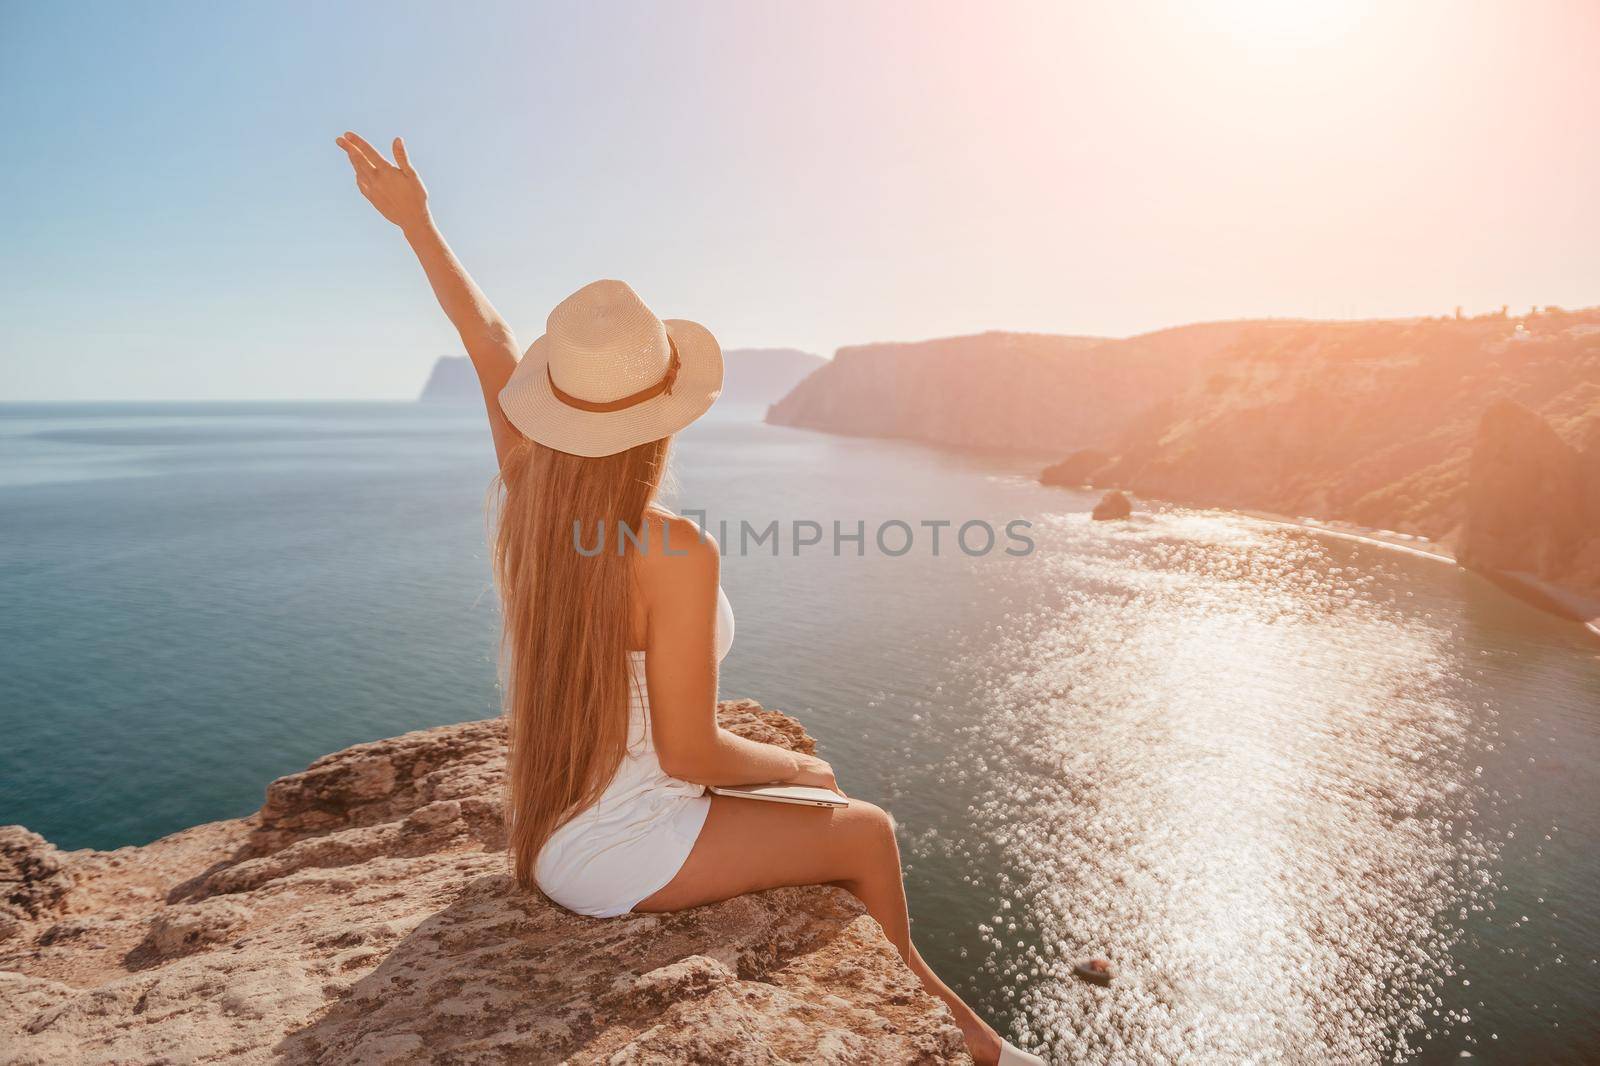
636,837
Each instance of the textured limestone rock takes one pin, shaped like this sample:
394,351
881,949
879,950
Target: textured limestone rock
365,915
34,882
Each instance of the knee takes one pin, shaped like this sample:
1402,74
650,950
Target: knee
875,829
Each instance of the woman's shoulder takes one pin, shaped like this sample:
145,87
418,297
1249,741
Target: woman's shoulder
676,552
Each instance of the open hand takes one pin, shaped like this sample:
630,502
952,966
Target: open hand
393,188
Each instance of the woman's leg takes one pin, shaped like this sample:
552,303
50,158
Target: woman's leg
746,846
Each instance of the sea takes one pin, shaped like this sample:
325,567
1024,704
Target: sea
1316,800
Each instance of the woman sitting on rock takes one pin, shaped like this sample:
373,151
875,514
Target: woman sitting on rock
612,657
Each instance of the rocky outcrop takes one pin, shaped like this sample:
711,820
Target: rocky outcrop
764,375
452,381
1113,505
1019,391
365,915
1075,470
1533,502
34,880
1377,424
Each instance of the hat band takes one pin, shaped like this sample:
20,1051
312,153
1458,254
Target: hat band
633,399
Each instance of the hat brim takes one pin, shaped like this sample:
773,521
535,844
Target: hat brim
536,412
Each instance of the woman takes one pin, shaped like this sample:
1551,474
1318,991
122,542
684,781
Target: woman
612,679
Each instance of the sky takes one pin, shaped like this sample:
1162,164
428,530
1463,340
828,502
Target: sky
177,223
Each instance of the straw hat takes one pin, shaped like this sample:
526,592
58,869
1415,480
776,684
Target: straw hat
608,375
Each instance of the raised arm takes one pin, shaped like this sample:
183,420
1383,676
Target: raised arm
397,192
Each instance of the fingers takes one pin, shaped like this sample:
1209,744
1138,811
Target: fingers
357,160
372,155
402,159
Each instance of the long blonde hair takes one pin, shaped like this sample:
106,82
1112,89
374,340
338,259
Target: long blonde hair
566,616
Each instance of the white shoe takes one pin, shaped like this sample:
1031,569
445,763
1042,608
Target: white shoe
1011,1055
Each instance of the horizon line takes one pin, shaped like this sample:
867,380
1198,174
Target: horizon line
1458,314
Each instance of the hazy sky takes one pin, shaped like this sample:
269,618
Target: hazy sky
177,222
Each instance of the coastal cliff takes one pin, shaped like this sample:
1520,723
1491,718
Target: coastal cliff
1014,391
365,915
1406,426
1372,423
1533,506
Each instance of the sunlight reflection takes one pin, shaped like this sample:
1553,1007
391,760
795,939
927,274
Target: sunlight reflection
1270,860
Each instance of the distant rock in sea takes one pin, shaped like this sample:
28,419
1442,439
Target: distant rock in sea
453,381
1112,505
365,915
764,375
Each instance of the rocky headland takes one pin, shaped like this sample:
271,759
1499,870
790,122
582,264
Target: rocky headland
1004,391
1481,434
452,381
365,915
763,375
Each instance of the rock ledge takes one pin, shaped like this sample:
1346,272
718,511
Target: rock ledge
365,915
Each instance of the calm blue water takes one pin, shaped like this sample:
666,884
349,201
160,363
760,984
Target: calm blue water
1317,801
